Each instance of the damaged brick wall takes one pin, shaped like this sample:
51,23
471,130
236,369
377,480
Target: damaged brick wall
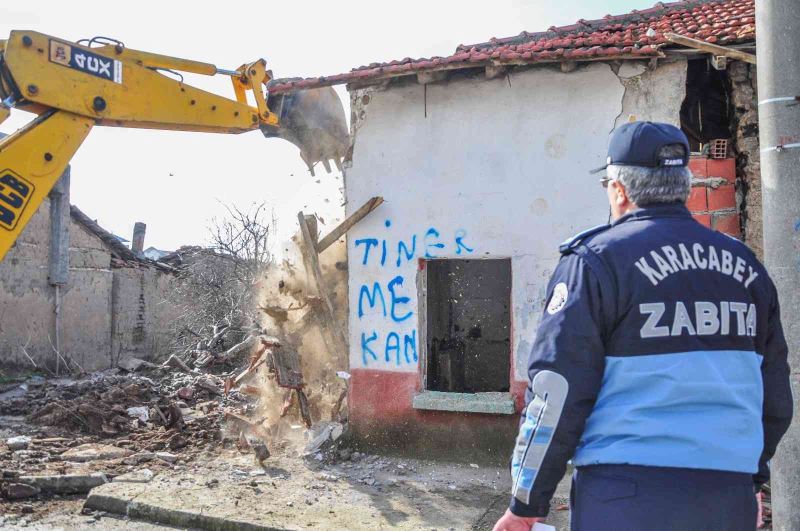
744,103
726,193
712,200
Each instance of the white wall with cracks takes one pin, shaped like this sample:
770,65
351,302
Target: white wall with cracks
476,168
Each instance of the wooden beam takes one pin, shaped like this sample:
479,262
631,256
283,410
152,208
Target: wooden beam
423,78
316,270
568,66
494,71
347,224
713,49
313,229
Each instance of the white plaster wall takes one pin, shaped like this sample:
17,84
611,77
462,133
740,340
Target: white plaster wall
501,164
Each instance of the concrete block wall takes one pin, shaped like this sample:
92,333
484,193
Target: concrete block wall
95,331
27,300
141,314
712,200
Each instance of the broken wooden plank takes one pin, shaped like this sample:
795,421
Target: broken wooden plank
255,428
177,363
713,49
316,270
256,360
313,228
247,372
347,224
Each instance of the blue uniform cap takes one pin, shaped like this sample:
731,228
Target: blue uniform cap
638,143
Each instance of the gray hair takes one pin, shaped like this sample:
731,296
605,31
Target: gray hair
648,186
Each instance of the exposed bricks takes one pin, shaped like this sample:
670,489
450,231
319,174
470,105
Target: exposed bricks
721,198
727,222
639,33
698,200
712,200
725,168
705,219
698,166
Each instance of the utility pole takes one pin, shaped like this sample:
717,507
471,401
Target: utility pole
778,50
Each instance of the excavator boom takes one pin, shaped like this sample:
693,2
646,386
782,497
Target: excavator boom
74,86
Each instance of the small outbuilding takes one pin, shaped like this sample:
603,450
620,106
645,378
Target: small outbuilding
73,296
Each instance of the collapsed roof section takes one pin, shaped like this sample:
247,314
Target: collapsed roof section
122,256
634,35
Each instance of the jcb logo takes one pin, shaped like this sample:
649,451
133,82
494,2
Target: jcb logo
15,193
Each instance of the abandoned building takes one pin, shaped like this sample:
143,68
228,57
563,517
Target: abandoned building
483,159
72,294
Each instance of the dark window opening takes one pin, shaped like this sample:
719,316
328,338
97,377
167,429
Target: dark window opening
468,325
705,113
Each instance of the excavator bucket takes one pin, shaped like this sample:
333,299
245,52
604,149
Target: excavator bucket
314,121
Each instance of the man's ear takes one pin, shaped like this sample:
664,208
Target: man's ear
620,195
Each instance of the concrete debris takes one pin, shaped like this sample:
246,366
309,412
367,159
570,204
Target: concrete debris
140,412
80,433
185,393
26,454
141,457
134,364
323,435
20,442
260,449
93,452
144,475
209,385
65,483
18,491
166,456
177,363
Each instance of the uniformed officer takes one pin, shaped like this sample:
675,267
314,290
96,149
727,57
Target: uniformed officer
659,366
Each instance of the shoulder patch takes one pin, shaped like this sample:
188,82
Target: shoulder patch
572,241
559,298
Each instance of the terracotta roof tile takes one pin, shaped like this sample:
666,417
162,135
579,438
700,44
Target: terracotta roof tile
714,21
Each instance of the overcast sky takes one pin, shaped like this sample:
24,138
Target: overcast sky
175,182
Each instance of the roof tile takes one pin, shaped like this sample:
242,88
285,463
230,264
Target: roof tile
726,21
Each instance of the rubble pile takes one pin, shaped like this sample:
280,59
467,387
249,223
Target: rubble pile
142,415
111,403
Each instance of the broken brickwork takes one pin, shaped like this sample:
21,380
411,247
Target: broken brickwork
712,200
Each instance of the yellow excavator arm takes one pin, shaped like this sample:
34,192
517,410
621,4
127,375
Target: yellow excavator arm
74,86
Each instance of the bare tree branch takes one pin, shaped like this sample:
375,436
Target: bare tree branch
215,288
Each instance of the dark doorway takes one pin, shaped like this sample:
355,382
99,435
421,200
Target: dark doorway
468,325
705,113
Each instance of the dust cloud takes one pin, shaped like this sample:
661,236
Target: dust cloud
293,312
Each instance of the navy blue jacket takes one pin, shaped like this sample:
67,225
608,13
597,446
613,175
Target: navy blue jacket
660,345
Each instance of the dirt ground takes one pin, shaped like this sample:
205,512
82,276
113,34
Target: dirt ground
189,464
364,492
